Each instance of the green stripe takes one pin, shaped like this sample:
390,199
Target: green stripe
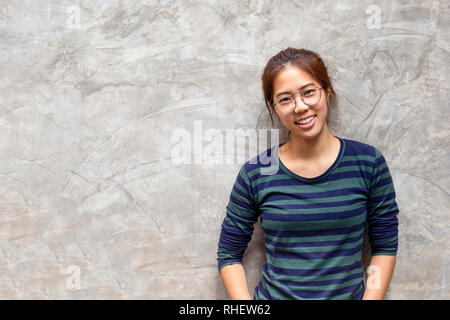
380,167
385,208
318,288
314,239
306,211
241,198
319,187
273,177
237,222
334,276
358,157
311,264
294,250
241,210
240,187
382,190
354,168
243,175
328,224
312,201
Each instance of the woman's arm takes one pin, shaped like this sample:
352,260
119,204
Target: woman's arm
380,273
237,229
382,211
233,276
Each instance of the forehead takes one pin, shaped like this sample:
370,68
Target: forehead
291,78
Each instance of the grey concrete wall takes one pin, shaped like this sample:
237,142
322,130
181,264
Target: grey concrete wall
97,95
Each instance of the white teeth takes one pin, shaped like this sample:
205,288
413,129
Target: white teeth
306,120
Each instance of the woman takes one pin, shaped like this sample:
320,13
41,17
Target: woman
315,206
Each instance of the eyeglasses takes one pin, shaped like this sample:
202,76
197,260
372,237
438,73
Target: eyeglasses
310,96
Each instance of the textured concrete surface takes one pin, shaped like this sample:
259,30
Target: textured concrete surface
93,205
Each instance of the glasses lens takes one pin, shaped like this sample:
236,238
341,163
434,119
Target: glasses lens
311,96
285,103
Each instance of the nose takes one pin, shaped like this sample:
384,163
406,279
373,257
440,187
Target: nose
300,106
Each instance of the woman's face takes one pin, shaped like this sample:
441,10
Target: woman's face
292,79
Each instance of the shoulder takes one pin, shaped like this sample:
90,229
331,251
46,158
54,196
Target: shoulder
365,152
358,148
368,156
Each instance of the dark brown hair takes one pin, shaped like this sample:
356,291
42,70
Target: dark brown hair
306,60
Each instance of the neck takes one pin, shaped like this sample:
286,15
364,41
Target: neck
309,149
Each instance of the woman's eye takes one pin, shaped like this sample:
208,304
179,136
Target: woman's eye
308,92
284,100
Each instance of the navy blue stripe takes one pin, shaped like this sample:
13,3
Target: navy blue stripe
314,244
313,255
274,200
315,272
332,215
314,233
322,282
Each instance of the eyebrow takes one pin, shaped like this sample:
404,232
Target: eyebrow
284,92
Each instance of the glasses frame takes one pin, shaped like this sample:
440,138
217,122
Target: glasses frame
301,96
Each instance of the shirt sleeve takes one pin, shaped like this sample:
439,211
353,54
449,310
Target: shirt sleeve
382,210
237,226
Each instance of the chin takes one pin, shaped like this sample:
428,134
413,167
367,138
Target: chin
307,135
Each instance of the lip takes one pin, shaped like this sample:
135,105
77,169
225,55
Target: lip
308,125
304,118
311,115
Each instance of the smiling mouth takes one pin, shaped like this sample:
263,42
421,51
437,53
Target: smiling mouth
305,121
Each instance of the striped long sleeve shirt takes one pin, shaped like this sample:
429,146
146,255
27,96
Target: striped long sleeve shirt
313,227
